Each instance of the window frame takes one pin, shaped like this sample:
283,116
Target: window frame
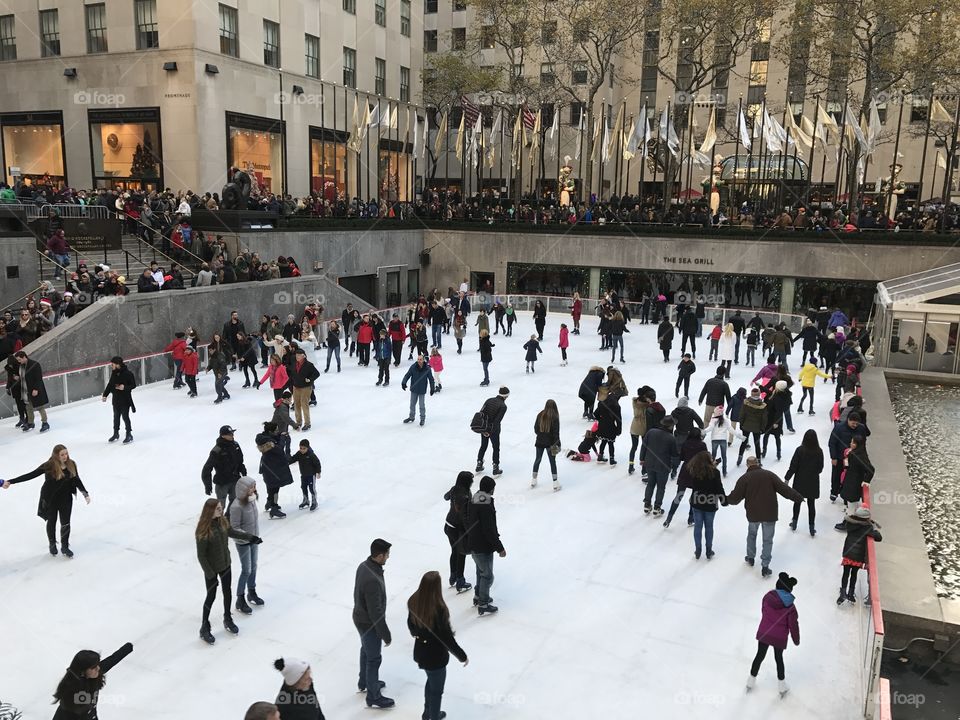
350,68
458,38
350,6
99,33
404,84
380,76
8,43
405,12
578,67
430,47
311,63
430,7
268,47
548,78
380,12
229,37
50,40
146,39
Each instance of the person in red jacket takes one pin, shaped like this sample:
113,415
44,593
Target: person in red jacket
364,338
177,346
277,372
190,367
398,333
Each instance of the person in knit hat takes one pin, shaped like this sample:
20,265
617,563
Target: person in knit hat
297,699
779,622
494,409
859,526
483,540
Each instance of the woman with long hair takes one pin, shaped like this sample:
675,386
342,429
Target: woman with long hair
805,468
576,310
726,347
617,328
547,430
428,620
455,528
706,494
78,691
60,485
213,552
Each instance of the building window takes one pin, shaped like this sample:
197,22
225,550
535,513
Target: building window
458,39
145,17
33,143
547,77
271,44
548,32
579,74
380,12
488,37
758,72
49,33
255,144
918,109
126,148
581,32
429,6
380,76
577,110
459,5
404,84
756,94
405,18
311,44
8,38
228,31
96,16
350,6
429,41
350,67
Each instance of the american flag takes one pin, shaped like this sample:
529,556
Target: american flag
470,111
529,118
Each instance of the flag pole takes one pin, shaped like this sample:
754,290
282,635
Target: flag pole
667,157
840,153
323,141
813,143
732,193
643,159
923,157
556,150
690,155
893,167
603,134
782,187
948,173
446,163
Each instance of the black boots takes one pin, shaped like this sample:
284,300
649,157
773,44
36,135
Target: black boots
206,635
128,438
229,625
253,597
65,542
114,437
243,607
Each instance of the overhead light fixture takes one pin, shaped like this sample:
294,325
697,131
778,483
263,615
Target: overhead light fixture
171,66
211,69
70,72
297,90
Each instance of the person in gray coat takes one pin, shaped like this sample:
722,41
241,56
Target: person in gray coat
243,516
370,619
659,456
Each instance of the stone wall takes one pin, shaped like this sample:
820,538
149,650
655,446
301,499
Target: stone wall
17,251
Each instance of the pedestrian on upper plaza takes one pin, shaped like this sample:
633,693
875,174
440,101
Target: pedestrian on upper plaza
333,344
428,621
688,325
539,318
225,463
418,375
716,392
843,432
691,446
78,691
759,489
213,552
726,348
546,429
511,318
60,484
589,387
370,619
455,528
297,699
120,385
665,337
685,370
244,516
805,468
32,390
483,540
493,409
859,526
532,346
706,494
177,347
858,471
576,311
274,466
808,382
302,376
486,355
564,343
660,457
779,621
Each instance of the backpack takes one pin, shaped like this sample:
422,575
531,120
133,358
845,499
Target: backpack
480,422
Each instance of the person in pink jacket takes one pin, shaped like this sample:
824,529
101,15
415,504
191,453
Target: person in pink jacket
436,364
779,622
278,376
564,342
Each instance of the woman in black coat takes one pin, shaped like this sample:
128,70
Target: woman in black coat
60,485
777,402
665,337
79,690
589,388
546,428
274,466
486,355
859,526
539,318
692,446
805,468
609,423
859,470
455,528
428,621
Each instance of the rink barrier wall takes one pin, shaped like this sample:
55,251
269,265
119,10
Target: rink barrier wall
873,634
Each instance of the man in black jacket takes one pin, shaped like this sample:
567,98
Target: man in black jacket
438,318
370,619
226,461
688,330
659,457
494,408
121,385
739,325
302,375
33,391
232,329
483,540
717,392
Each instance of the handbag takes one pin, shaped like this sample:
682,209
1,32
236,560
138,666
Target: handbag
555,449
43,509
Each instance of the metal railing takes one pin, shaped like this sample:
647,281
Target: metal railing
17,303
872,634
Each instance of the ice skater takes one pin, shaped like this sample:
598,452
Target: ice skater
532,346
564,343
297,698
456,530
310,469
859,526
418,375
121,385
436,365
78,691
370,620
244,516
484,540
779,622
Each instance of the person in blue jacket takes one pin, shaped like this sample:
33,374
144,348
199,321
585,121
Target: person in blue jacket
384,355
419,375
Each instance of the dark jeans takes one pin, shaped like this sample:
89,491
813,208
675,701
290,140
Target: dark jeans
436,330
220,383
751,354
121,412
634,442
363,353
675,504
551,458
656,480
685,381
370,658
616,340
191,381
604,443
333,350
746,441
811,511
481,589
761,654
433,693
178,376
835,471
849,579
457,557
494,440
384,373
693,344
766,437
397,351
211,583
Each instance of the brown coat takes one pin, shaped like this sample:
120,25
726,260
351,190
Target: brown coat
759,489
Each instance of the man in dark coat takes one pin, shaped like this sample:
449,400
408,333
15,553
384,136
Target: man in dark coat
589,388
739,325
121,385
659,456
370,619
483,540
843,432
231,330
494,408
225,461
688,331
716,392
33,391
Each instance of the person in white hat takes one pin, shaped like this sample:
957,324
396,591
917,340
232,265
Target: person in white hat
297,698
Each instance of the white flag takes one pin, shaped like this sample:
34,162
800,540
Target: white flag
495,132
771,133
595,154
416,134
710,139
938,113
442,131
744,132
426,134
637,133
555,132
853,128
647,132
668,134
941,161
373,117
796,133
873,128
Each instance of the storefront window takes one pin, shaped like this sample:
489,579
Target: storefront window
906,341
940,344
328,163
33,149
125,148
394,174
255,145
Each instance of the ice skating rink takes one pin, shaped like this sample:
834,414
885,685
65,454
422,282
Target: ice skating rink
603,612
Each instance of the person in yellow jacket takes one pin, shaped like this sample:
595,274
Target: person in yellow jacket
808,381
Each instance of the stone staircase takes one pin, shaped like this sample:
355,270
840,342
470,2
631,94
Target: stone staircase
130,261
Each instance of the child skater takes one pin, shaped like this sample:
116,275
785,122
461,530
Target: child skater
309,473
858,526
191,366
564,342
436,364
586,446
532,347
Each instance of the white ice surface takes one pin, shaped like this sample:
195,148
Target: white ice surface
603,612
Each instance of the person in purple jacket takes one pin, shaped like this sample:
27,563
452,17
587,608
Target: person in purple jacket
767,373
779,622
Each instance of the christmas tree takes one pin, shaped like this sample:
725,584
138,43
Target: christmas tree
143,163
